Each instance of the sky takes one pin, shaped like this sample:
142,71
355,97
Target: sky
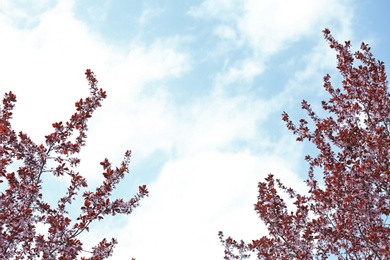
195,89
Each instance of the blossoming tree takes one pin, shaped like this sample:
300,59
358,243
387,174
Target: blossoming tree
22,207
346,214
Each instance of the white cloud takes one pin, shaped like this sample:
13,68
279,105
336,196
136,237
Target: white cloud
148,14
194,198
267,27
244,71
211,9
226,32
217,122
23,13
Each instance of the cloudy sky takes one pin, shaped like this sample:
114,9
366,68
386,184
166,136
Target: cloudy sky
195,90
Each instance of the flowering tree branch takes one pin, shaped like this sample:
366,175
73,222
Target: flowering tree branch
21,203
348,215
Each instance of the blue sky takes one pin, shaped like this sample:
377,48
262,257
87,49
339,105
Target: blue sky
195,90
